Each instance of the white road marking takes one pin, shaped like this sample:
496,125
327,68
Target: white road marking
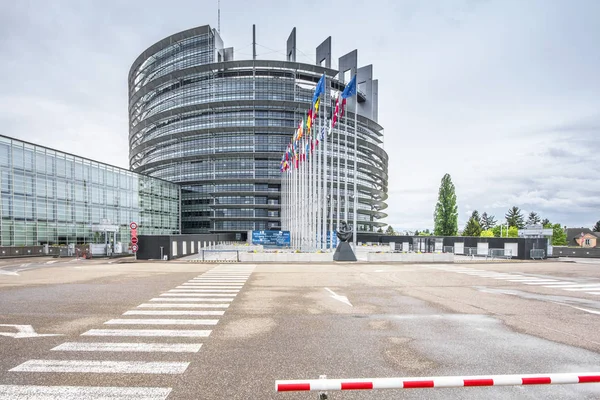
204,291
51,262
511,277
147,333
588,311
338,297
191,299
131,347
198,294
181,305
16,392
532,280
549,283
593,292
203,286
25,331
215,283
578,285
161,322
597,287
2,272
102,367
173,312
220,281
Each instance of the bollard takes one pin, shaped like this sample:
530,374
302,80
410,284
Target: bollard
323,394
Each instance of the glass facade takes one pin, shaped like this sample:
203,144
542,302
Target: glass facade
219,127
50,197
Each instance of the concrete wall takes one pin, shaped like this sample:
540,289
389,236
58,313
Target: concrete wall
559,251
286,257
410,257
21,251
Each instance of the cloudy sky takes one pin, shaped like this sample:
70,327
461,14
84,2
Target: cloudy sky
503,94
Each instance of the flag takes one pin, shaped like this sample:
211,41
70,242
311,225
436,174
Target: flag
350,89
336,112
300,129
316,111
319,89
309,120
322,136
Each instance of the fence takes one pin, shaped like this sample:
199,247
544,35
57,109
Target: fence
537,254
500,253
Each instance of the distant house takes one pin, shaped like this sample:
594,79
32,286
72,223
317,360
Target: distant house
582,237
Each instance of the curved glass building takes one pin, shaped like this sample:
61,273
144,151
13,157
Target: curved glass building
218,127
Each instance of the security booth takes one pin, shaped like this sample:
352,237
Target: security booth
109,232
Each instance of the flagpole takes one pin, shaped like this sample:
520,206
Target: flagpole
339,173
355,168
330,189
305,193
324,169
318,186
346,207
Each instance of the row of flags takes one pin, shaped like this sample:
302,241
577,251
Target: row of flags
305,138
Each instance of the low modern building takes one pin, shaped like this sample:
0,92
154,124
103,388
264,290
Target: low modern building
51,197
219,126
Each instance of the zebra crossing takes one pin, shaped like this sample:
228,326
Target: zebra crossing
566,285
185,315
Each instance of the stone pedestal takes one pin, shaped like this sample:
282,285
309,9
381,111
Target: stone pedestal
344,252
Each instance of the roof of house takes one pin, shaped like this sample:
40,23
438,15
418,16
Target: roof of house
574,233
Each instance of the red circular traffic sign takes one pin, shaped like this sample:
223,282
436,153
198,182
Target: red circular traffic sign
134,247
133,225
134,240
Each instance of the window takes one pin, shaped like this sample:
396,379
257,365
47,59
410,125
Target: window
588,242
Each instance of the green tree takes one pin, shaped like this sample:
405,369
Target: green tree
496,230
545,222
487,221
472,228
533,219
596,227
417,233
559,236
487,233
379,230
475,215
390,230
515,218
446,210
513,232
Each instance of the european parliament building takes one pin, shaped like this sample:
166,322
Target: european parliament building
206,137
218,127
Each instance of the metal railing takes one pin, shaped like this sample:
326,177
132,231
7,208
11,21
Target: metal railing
500,253
538,254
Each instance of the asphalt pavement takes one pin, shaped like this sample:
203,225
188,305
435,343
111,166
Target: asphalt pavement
88,329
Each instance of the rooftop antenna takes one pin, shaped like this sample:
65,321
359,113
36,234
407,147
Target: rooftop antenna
219,17
253,41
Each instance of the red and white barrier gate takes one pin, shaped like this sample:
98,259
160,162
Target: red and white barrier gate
435,382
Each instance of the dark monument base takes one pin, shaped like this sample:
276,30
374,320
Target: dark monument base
344,252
